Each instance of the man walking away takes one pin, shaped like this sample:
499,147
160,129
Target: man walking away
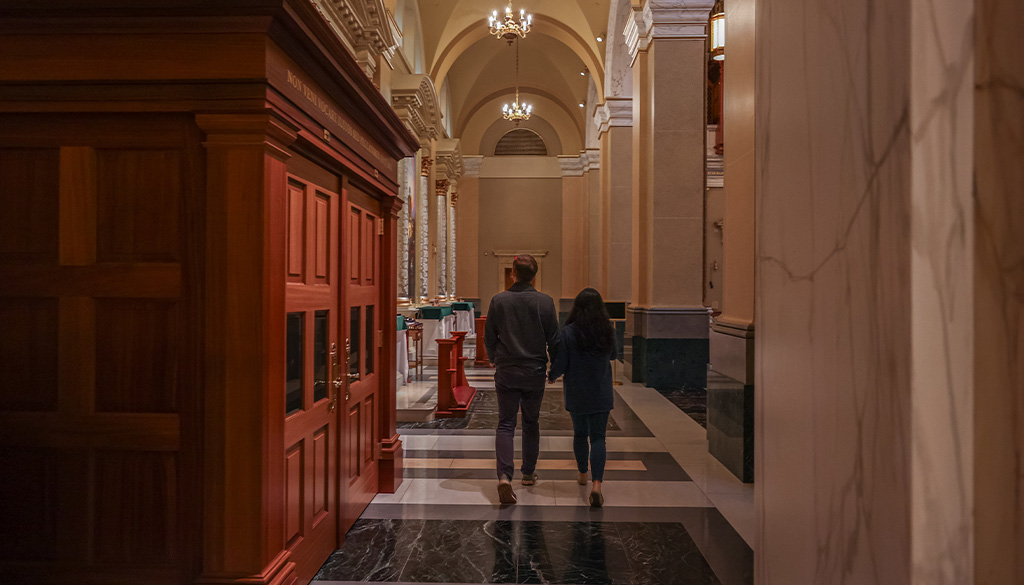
521,327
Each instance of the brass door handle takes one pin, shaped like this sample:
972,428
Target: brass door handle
336,382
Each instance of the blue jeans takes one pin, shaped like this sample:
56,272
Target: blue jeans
588,442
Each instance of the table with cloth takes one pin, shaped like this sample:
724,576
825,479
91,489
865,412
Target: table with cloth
465,320
438,323
402,349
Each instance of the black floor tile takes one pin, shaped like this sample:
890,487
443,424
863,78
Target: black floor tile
519,551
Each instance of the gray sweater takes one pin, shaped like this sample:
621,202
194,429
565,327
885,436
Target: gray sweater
520,329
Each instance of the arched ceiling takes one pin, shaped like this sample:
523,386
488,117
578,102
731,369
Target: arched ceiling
478,69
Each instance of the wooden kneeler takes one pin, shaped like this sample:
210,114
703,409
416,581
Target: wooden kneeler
454,394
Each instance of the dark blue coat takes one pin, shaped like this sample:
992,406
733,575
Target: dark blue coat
588,375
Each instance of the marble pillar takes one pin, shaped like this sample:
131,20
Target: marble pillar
441,187
867,294
423,197
730,401
406,192
667,322
592,184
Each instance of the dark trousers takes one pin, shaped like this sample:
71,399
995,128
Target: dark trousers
588,442
527,397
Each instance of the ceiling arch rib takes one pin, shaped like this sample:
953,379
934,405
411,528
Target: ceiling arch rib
449,54
525,92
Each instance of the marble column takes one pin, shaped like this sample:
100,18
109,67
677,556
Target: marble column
667,322
441,187
423,196
406,192
730,420
592,185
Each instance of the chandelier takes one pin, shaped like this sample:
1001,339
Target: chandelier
518,111
509,29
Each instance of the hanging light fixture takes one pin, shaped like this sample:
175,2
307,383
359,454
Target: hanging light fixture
718,31
518,111
508,28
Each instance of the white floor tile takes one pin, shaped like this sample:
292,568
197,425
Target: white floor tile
738,509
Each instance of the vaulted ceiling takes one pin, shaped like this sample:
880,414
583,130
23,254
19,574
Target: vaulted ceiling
475,71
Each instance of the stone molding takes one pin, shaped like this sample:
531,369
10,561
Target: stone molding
471,165
613,112
572,165
449,158
733,327
415,100
366,27
591,159
665,19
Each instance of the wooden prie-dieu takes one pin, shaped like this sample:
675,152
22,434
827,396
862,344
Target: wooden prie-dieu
197,276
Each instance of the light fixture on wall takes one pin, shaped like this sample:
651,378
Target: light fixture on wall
600,37
507,28
583,104
518,111
583,73
718,31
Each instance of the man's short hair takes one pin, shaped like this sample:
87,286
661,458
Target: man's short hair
524,267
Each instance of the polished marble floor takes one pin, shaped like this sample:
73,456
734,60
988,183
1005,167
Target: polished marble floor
672,514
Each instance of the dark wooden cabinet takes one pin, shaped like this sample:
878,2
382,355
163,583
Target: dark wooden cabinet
175,187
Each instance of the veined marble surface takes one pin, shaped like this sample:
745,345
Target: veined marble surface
833,349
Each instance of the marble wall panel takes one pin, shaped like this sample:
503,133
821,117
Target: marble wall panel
467,225
942,319
832,444
998,290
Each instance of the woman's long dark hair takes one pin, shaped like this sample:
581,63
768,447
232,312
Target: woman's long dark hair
593,326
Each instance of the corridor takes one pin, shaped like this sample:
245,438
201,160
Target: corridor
673,514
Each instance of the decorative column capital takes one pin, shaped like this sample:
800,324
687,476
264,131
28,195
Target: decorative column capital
665,19
449,157
425,163
613,112
441,187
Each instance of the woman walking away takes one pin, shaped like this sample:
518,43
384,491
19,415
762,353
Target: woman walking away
583,353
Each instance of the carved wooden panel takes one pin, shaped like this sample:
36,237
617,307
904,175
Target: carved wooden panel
28,198
355,245
321,459
28,354
296,232
366,437
354,445
323,237
101,381
293,493
138,205
136,507
136,355
369,245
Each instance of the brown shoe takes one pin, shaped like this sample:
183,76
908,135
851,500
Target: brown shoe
505,493
530,479
582,478
596,499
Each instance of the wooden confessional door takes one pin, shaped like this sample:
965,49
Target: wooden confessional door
314,375
362,250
